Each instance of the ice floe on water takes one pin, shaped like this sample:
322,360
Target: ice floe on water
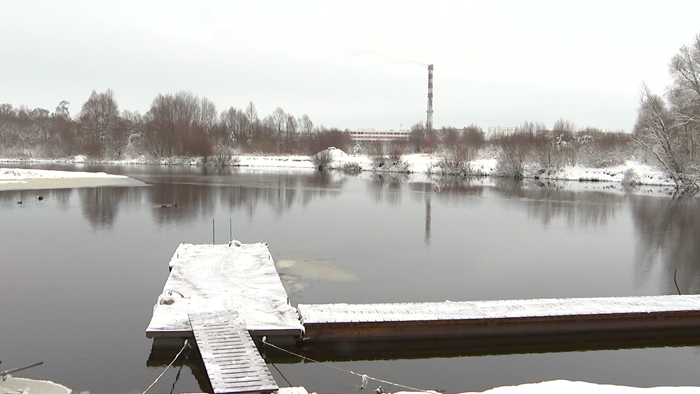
298,269
307,266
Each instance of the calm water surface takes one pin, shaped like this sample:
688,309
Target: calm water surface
81,270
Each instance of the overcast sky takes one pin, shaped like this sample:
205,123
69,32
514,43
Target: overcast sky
355,64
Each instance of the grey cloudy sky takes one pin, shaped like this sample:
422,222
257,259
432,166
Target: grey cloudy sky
353,64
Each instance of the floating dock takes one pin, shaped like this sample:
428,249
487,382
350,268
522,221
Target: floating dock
228,296
240,278
221,295
430,320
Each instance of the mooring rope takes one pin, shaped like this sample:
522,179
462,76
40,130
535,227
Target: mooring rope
364,377
169,365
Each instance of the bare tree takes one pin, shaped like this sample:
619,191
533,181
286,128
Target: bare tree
684,95
99,119
207,114
252,117
416,138
514,150
173,127
305,124
598,149
276,122
234,122
563,126
290,133
654,131
62,110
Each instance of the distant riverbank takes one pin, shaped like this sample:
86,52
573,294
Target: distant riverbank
631,172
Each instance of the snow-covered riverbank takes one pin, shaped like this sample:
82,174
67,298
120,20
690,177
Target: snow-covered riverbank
20,178
415,163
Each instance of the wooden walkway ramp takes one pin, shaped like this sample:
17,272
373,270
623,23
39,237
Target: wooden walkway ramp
334,322
230,357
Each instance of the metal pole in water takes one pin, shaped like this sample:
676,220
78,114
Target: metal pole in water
230,231
213,232
13,370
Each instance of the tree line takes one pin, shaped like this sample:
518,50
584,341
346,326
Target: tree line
180,124
185,125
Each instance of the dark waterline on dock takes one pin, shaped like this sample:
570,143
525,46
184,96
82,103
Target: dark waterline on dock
80,270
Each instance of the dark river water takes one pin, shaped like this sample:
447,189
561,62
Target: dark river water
81,270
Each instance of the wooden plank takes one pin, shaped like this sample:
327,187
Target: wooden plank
230,357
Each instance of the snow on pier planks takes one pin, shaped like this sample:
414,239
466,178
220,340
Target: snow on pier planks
241,278
230,357
508,317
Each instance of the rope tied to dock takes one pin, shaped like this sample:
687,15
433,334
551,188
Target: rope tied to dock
364,377
187,343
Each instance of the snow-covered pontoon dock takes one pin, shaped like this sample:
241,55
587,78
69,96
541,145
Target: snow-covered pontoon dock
223,279
220,295
430,320
225,296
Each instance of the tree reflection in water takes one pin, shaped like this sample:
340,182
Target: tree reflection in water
668,233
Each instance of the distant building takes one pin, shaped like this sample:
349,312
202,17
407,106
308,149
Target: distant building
379,135
500,131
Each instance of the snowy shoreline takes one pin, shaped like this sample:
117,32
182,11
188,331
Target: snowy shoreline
31,179
415,163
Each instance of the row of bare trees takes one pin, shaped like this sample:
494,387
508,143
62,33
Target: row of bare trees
553,149
668,126
179,124
531,144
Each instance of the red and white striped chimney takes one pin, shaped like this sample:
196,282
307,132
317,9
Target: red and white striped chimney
429,123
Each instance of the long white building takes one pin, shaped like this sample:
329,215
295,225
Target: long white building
379,135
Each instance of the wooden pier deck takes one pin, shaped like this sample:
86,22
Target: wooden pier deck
230,357
241,279
332,322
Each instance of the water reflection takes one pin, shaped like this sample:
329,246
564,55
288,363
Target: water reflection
548,201
668,232
100,206
29,198
446,190
387,187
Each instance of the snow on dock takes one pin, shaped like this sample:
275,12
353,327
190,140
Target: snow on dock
224,295
240,278
537,316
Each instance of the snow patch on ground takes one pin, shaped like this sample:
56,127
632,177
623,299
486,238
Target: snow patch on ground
21,174
646,174
26,179
567,386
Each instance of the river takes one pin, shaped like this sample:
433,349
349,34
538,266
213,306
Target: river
81,270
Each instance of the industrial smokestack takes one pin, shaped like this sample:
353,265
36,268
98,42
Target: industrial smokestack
429,123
